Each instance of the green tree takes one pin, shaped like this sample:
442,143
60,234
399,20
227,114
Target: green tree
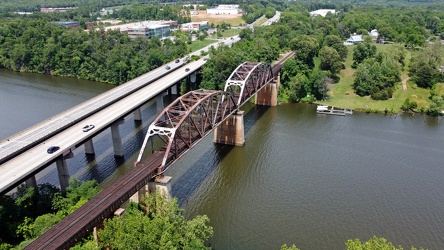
361,52
306,48
330,60
425,65
158,224
285,247
336,43
374,243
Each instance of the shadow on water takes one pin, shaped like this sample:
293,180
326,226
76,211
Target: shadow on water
193,178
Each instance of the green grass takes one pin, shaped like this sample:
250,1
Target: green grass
197,45
342,94
231,32
260,22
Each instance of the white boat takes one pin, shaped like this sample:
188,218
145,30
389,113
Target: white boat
322,108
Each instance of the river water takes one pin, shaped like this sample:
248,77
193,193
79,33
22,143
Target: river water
301,178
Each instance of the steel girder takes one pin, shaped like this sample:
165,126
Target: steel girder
247,79
186,121
194,115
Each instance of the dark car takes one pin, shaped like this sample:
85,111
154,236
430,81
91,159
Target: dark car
167,67
177,60
88,127
52,149
187,69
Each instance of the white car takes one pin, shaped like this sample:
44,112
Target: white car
88,127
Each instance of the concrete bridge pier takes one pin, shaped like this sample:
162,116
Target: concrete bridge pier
193,77
89,147
161,183
159,102
174,89
267,96
231,131
31,182
117,140
137,115
62,170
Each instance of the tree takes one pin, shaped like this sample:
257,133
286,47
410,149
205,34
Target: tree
330,60
306,48
361,52
336,43
157,224
377,78
374,243
425,65
285,247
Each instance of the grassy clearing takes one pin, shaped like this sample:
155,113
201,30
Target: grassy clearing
197,45
262,20
342,94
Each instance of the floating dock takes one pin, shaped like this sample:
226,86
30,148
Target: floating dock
327,110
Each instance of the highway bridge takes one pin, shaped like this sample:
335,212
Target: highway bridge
25,154
181,125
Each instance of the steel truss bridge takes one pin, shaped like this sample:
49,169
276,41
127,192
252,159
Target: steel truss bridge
179,127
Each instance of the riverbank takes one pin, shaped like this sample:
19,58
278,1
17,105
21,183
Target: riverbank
342,94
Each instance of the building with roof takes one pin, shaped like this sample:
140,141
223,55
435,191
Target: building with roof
57,9
160,31
146,29
73,24
225,9
374,33
322,12
194,26
354,40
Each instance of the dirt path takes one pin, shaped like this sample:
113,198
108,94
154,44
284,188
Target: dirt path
404,83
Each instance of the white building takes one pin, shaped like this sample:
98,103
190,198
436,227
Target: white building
354,40
194,26
322,12
225,9
374,33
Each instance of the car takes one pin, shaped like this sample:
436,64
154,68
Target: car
88,127
52,149
232,38
177,61
205,59
187,69
167,67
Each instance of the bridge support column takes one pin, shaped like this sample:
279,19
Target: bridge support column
31,182
267,96
231,131
62,170
175,89
193,77
161,183
137,115
117,140
159,103
89,147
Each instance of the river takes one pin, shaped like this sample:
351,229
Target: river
301,178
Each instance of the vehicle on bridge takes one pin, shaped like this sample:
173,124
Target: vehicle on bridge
88,127
167,67
52,149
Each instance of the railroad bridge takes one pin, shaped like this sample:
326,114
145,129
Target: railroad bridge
179,127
